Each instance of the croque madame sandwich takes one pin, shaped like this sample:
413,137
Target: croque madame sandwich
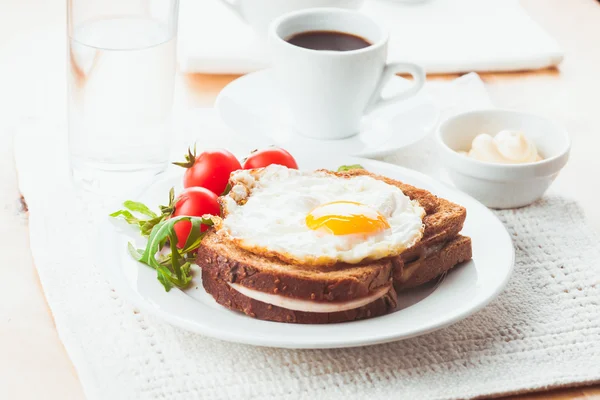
325,247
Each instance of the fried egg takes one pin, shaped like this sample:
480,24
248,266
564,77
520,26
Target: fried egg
318,218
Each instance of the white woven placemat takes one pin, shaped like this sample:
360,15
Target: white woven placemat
543,331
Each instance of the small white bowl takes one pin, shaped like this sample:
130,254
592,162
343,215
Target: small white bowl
502,185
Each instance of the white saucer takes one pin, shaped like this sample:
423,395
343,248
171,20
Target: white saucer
252,107
465,290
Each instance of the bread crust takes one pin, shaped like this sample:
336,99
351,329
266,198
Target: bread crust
428,267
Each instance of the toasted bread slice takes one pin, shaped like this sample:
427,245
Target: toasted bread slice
341,282
434,261
218,285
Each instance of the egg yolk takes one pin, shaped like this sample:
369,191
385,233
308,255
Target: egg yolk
346,218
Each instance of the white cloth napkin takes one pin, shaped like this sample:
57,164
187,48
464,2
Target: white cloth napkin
444,36
543,331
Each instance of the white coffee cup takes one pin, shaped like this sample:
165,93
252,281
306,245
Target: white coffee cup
259,13
328,92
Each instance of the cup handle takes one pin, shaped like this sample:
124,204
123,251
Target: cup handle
389,71
233,5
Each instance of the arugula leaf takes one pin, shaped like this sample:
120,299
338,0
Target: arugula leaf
145,225
162,274
227,189
174,270
196,235
127,216
170,209
175,258
139,207
344,168
135,253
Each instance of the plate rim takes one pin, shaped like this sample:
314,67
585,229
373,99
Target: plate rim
120,284
381,152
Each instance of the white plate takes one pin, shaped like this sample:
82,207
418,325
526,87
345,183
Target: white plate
465,290
253,108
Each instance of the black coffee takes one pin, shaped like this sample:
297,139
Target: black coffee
328,40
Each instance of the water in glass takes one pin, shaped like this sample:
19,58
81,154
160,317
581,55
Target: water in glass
121,80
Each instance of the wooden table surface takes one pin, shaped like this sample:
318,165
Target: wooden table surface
33,362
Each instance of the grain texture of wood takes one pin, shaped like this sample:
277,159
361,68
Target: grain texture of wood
33,85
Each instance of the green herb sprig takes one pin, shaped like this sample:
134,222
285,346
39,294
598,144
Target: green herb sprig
175,269
345,168
145,225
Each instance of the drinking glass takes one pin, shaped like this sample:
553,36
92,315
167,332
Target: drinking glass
121,77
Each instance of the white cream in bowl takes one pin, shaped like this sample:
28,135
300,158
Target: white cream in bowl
507,147
503,172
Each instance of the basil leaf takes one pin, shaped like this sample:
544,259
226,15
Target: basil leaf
344,168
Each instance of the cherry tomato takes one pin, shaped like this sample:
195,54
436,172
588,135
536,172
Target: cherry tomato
210,170
266,157
193,202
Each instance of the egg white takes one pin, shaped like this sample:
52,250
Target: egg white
266,210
